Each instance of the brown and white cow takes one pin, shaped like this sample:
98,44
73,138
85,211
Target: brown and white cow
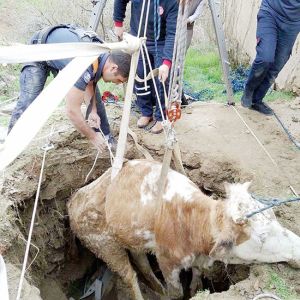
183,229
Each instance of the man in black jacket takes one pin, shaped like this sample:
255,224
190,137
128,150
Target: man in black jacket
160,33
278,24
111,67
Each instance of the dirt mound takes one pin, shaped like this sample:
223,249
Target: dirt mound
216,147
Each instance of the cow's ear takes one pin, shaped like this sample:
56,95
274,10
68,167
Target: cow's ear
221,248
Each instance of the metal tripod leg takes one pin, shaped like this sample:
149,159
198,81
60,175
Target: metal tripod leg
96,14
215,12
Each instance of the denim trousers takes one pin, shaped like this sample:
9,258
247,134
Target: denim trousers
32,82
146,95
275,41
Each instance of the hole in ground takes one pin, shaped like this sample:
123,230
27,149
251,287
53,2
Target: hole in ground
63,259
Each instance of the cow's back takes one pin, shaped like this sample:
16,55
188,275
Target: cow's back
132,205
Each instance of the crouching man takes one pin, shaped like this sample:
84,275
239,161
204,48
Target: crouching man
111,67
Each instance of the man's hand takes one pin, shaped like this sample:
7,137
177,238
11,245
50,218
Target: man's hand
163,72
99,142
94,120
119,32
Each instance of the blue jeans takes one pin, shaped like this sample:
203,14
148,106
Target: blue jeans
32,82
275,41
146,96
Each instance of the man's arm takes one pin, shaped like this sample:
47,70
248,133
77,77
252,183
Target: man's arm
74,99
119,16
89,99
169,41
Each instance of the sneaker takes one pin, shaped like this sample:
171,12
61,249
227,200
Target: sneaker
262,108
246,99
184,101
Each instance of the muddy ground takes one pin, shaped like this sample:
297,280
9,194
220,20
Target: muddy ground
216,147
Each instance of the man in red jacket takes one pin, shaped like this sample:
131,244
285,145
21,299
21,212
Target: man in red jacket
161,29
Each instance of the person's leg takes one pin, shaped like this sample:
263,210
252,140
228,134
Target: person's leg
287,35
143,93
32,81
267,32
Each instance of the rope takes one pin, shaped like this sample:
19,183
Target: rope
297,144
141,19
154,82
145,70
264,148
111,155
266,295
176,74
138,146
46,148
256,138
269,204
147,18
147,77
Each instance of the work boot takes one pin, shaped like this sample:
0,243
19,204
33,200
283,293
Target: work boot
157,128
184,101
246,99
262,108
143,121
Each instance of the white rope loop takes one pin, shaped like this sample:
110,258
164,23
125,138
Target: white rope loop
111,156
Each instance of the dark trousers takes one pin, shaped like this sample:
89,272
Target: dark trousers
146,96
275,40
32,82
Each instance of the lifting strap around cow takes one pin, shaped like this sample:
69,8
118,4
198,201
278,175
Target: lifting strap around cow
175,94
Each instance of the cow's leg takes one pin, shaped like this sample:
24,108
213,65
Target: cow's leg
142,263
196,283
171,273
106,248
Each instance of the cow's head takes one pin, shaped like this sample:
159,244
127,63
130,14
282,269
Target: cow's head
266,240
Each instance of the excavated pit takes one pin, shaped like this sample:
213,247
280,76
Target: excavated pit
63,268
69,266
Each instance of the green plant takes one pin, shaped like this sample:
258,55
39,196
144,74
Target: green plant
283,290
203,76
9,80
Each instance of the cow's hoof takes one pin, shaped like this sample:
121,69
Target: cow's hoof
175,293
156,286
